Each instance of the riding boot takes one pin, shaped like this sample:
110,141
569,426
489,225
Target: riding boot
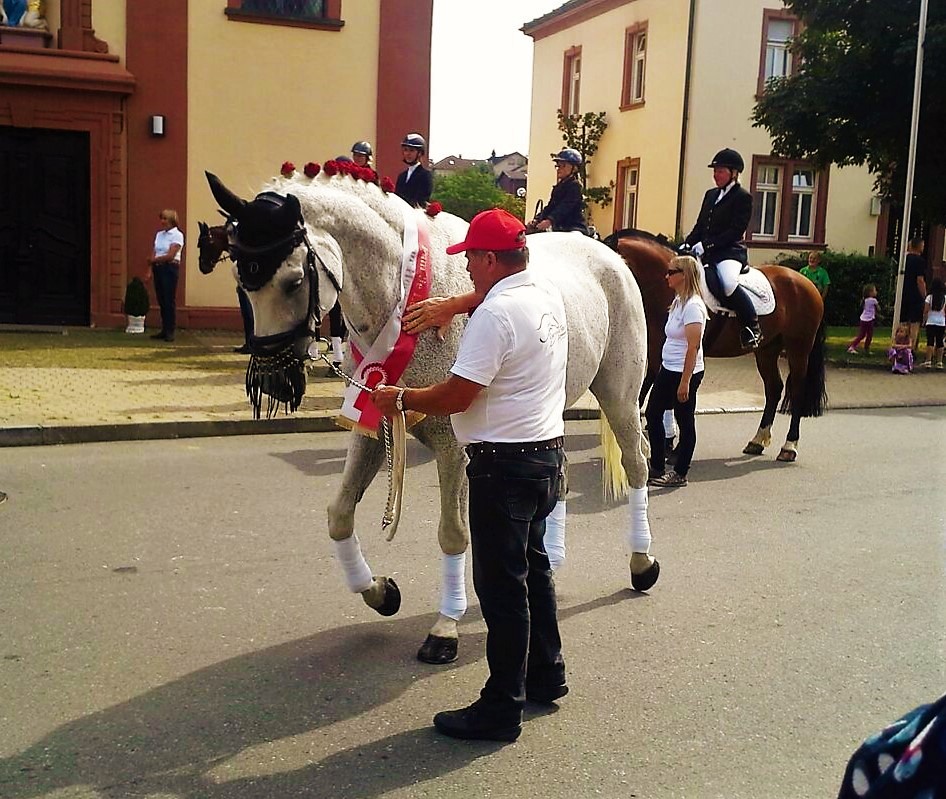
741,303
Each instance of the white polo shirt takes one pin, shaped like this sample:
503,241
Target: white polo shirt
516,345
165,238
693,311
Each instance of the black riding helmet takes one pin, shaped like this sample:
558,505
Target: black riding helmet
728,158
362,148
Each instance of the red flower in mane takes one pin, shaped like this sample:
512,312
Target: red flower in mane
330,167
311,169
287,169
387,185
369,174
434,208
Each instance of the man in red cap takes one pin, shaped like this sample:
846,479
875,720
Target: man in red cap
506,396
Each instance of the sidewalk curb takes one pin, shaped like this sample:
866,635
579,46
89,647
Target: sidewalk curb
39,435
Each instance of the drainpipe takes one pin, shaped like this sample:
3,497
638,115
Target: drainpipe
686,118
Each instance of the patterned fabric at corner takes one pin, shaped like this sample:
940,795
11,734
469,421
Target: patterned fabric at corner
906,760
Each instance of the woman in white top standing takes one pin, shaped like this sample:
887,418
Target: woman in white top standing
680,375
165,266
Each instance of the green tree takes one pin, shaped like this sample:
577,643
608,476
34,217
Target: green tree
850,102
583,132
473,190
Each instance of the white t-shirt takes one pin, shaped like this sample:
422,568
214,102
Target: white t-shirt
165,238
516,345
693,311
937,318
870,309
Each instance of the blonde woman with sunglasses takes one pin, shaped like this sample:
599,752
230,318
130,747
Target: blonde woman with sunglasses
680,375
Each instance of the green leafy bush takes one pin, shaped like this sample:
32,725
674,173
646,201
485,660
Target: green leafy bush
467,193
137,301
849,274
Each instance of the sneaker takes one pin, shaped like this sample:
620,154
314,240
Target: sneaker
851,351
927,364
669,480
939,365
654,479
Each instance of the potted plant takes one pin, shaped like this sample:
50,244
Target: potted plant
137,304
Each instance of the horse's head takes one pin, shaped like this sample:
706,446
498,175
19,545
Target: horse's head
276,265
211,245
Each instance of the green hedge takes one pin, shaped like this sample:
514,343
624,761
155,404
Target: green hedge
849,274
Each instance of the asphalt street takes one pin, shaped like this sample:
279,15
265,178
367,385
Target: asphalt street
173,626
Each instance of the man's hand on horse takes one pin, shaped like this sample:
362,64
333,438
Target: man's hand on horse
545,224
385,398
436,312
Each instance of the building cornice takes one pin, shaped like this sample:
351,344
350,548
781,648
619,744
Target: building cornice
569,15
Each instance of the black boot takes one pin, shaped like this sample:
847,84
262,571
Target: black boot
741,303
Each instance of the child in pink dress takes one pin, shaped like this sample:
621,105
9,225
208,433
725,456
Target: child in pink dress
868,315
901,353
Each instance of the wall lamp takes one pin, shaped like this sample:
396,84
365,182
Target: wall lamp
157,125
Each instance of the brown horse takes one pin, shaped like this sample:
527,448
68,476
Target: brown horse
795,327
212,243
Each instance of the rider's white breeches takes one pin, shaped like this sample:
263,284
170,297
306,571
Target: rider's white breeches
453,586
728,272
554,539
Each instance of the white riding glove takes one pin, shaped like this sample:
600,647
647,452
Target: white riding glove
697,249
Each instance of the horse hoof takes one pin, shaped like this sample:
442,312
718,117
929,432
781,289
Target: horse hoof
438,650
752,449
786,456
392,598
646,579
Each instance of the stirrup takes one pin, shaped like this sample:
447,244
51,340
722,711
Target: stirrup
750,338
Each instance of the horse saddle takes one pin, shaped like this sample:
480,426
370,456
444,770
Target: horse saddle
754,282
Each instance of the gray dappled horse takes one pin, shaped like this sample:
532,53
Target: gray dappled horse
305,242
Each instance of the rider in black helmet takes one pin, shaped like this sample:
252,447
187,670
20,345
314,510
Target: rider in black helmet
717,240
566,208
361,153
415,184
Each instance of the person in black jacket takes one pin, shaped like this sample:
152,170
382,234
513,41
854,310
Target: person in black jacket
566,208
717,240
415,184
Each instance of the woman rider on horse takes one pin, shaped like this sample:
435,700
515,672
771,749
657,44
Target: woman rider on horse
717,240
566,208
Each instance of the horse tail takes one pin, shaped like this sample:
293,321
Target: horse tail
814,397
613,477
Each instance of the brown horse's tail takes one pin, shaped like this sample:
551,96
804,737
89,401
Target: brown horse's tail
814,397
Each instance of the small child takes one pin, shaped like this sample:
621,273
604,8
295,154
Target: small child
869,309
934,315
901,353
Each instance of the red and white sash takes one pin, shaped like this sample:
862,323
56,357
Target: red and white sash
385,360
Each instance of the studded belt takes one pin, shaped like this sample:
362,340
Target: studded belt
513,448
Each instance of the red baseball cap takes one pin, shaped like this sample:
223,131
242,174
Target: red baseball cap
495,230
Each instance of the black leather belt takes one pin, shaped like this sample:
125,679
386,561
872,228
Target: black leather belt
513,448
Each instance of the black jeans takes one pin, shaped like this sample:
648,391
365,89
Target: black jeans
165,287
663,396
511,494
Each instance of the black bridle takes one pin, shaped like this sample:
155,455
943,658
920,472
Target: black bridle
277,361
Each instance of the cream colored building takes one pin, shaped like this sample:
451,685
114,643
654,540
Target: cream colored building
678,80
113,111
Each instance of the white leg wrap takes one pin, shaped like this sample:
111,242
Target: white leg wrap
337,354
453,586
555,535
638,531
357,574
670,425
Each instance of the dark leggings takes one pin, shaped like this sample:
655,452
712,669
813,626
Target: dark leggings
663,396
934,336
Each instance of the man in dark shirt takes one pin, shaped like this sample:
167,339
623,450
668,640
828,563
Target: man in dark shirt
914,289
415,184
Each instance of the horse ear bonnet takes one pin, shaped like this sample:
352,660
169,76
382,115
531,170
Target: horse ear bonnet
268,229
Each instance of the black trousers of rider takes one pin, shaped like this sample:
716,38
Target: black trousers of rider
663,397
511,494
739,301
